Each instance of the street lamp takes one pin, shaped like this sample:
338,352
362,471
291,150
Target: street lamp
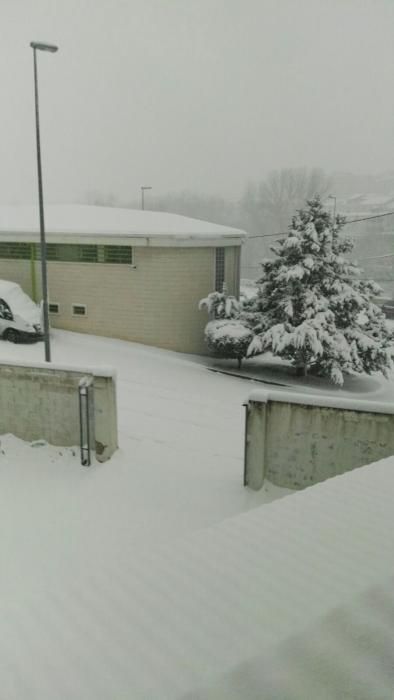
142,196
332,196
39,46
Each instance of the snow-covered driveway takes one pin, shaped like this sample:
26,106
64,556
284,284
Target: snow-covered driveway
180,462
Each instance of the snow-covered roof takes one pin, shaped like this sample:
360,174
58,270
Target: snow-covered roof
347,653
88,220
321,629
161,622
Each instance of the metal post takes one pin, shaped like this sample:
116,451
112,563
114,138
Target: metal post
85,432
332,196
143,196
44,281
246,405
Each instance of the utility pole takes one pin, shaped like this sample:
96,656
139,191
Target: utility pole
39,46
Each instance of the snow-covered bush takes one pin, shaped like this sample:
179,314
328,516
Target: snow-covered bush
228,338
221,304
313,309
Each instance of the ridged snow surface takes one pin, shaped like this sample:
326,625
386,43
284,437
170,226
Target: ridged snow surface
142,578
161,622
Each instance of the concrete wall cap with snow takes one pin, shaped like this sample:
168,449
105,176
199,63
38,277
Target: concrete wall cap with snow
296,440
40,401
96,371
350,404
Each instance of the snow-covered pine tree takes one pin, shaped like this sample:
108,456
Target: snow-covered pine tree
312,307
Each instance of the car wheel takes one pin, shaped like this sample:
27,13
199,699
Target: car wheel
12,335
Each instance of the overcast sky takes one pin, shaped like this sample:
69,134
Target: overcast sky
193,94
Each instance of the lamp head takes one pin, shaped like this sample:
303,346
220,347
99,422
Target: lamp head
43,47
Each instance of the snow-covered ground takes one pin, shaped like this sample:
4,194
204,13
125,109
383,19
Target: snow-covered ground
180,462
91,578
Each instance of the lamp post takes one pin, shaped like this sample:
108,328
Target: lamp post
332,196
143,197
39,46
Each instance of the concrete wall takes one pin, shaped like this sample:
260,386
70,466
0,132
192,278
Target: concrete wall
40,401
296,443
155,302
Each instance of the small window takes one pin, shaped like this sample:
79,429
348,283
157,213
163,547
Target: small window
53,308
79,310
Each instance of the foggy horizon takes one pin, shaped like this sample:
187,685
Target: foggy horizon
193,95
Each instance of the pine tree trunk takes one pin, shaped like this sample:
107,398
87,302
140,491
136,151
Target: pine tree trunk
302,371
239,362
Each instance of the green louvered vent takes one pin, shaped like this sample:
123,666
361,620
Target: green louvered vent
15,251
118,254
69,252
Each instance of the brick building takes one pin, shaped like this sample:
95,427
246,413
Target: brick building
135,275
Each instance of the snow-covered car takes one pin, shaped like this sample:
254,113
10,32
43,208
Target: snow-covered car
20,317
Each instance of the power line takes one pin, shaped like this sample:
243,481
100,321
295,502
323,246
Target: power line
267,235
367,218
352,221
378,257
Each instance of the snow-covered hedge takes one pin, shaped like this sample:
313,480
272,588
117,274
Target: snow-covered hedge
228,338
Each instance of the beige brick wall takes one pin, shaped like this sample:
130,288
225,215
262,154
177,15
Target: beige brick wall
156,303
19,271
